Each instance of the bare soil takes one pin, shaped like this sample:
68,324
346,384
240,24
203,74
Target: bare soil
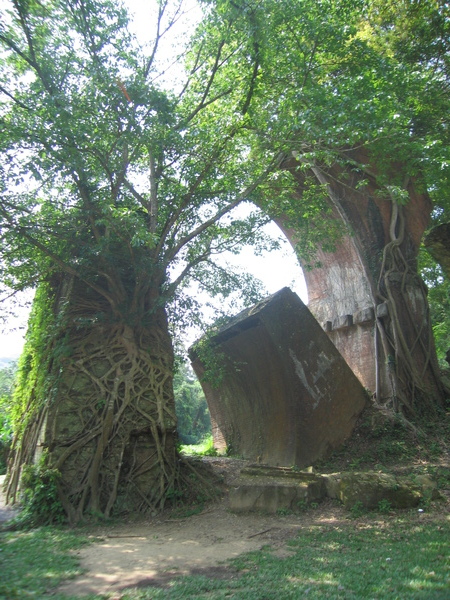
153,552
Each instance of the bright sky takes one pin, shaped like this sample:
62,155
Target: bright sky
276,269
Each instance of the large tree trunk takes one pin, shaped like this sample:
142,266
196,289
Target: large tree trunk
368,294
104,413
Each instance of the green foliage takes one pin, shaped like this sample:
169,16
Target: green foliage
110,178
309,78
34,378
439,301
193,420
358,509
204,448
7,379
187,511
384,506
121,177
40,503
388,444
284,512
212,360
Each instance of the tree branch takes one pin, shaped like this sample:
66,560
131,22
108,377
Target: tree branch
226,209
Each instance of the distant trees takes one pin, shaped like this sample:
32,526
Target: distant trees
193,421
7,379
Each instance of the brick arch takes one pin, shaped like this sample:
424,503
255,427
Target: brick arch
285,397
343,290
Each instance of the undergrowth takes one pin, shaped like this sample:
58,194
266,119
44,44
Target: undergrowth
204,448
39,500
383,442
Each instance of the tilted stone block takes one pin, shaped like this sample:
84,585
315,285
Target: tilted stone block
286,396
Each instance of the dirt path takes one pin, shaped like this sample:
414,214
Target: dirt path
152,553
6,512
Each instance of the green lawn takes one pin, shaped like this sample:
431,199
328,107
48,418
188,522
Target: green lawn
34,562
398,557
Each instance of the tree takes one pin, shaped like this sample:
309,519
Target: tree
190,403
114,194
439,297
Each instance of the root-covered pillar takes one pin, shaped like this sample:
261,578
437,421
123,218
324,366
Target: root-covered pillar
98,404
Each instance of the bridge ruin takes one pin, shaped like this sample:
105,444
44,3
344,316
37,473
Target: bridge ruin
286,396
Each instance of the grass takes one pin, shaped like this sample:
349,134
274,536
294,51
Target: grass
393,558
383,554
203,448
36,561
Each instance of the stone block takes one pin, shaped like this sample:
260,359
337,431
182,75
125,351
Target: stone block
382,310
371,488
271,490
285,395
366,315
343,321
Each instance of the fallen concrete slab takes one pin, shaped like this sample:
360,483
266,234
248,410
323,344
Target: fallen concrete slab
285,396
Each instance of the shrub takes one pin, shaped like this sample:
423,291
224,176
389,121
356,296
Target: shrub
40,499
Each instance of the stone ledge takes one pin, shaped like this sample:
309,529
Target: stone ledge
270,489
366,315
342,322
360,317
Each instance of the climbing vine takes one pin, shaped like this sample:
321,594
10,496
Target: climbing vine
396,282
34,384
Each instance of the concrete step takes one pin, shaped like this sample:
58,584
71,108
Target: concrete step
271,489
274,489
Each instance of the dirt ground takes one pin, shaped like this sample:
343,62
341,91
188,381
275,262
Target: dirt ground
154,552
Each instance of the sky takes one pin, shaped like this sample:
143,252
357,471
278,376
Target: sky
276,269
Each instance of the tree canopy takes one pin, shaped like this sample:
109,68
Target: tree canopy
98,155
106,172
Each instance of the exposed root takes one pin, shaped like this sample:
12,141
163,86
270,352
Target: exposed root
110,426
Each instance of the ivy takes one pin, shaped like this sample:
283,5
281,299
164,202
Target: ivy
34,374
40,502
